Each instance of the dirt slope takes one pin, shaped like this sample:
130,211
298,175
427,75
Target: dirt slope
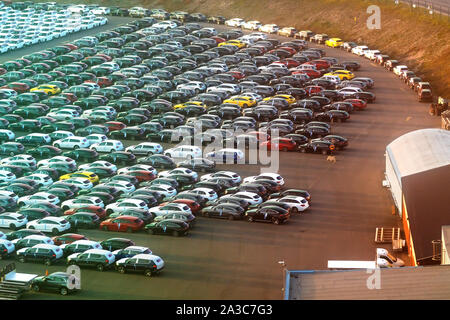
414,38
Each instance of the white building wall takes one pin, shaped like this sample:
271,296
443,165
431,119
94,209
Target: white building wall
395,184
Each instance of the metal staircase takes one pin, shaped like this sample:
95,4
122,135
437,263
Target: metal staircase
11,289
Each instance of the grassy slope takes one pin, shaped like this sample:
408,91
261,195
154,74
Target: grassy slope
414,38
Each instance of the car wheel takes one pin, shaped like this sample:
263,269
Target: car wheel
63,291
284,149
302,150
105,228
76,147
121,270
169,155
55,231
93,149
129,230
100,267
35,288
22,259
11,153
12,226
112,150
294,210
47,262
250,219
148,272
150,231
31,227
175,234
149,154
57,145
275,221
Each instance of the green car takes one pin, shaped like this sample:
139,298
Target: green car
26,98
13,76
20,189
44,151
62,194
60,282
61,125
116,157
80,122
29,125
71,79
30,112
34,213
95,128
59,50
84,220
10,118
53,173
56,102
82,154
42,78
65,59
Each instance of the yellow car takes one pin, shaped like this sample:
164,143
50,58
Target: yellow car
236,43
47,88
189,103
342,74
334,42
290,99
242,101
92,177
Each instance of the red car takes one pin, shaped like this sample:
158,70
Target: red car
2,71
262,48
290,63
282,144
142,175
68,238
358,104
320,64
99,211
237,74
115,125
104,82
218,39
310,90
193,205
310,72
292,51
122,224
108,58
70,46
69,96
19,87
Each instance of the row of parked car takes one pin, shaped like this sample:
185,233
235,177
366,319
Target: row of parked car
21,28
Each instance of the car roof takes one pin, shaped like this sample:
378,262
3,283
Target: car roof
99,251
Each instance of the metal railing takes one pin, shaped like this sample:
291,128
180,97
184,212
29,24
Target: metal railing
433,7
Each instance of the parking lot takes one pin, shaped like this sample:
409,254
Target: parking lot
223,259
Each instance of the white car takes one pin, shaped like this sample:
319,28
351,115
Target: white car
145,148
359,50
372,54
108,146
184,151
79,8
297,204
166,174
8,247
101,11
124,264
399,69
98,164
12,220
250,197
22,157
96,138
82,245
222,174
63,114
207,193
126,204
389,260
349,91
61,134
226,155
10,194
335,79
171,207
41,179
269,28
123,186
164,25
38,198
257,36
251,25
74,142
164,189
228,87
82,201
235,22
5,132
54,225
6,176
56,159
82,183
266,176
133,250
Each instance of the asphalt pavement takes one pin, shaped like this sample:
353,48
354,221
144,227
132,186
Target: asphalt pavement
224,259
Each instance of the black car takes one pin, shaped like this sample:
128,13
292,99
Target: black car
84,154
116,244
40,253
170,226
317,146
224,210
313,131
11,148
292,192
338,141
34,213
332,115
20,189
273,214
22,233
147,264
61,282
158,161
198,164
83,220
